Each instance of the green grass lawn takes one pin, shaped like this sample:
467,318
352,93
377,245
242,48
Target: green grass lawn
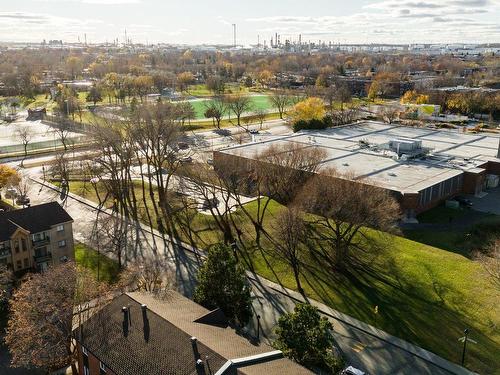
425,294
93,261
201,90
258,102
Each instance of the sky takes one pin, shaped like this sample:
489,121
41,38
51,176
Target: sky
210,21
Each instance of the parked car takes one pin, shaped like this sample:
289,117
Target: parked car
182,145
464,201
210,161
22,200
11,193
187,159
352,371
254,131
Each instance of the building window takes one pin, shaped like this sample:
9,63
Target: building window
16,245
26,263
24,244
85,358
61,243
60,228
102,368
19,265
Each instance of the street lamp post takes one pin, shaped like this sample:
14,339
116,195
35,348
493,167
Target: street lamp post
466,333
465,339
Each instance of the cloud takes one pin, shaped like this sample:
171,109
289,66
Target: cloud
392,21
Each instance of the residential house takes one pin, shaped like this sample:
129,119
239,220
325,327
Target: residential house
36,237
138,333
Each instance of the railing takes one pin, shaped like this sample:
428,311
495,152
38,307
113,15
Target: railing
41,242
43,258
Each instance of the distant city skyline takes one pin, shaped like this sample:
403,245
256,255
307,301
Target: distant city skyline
202,22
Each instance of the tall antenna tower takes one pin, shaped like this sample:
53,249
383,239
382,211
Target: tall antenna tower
234,35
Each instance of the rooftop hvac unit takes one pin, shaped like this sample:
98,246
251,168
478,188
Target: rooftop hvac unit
405,145
492,181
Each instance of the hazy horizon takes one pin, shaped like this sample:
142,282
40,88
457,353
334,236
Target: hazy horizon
197,22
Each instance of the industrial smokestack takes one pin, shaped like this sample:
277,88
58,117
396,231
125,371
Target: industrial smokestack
234,35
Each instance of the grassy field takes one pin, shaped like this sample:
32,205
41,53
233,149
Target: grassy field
201,90
258,102
425,294
92,260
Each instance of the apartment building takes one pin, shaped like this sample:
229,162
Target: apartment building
36,237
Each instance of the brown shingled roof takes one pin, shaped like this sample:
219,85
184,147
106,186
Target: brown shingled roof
166,348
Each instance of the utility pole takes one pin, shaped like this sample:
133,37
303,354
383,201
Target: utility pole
234,35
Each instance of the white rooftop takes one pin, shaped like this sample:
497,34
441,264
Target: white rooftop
449,153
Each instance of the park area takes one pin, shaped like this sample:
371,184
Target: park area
418,286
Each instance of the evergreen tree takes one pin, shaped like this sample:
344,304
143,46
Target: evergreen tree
222,283
304,336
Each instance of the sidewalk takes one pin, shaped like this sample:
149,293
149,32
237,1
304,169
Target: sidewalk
363,345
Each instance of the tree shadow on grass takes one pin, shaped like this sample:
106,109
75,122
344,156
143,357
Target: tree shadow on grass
428,315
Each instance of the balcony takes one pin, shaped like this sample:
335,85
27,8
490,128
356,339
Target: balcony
41,242
4,252
43,257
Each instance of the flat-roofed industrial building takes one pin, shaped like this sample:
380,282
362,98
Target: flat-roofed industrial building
420,166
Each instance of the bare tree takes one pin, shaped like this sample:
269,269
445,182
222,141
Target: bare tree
62,130
345,210
260,115
491,262
239,104
289,233
156,134
42,309
277,174
390,113
24,135
216,109
111,236
210,192
150,275
280,99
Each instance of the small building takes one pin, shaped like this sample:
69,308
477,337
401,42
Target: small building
36,237
138,333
